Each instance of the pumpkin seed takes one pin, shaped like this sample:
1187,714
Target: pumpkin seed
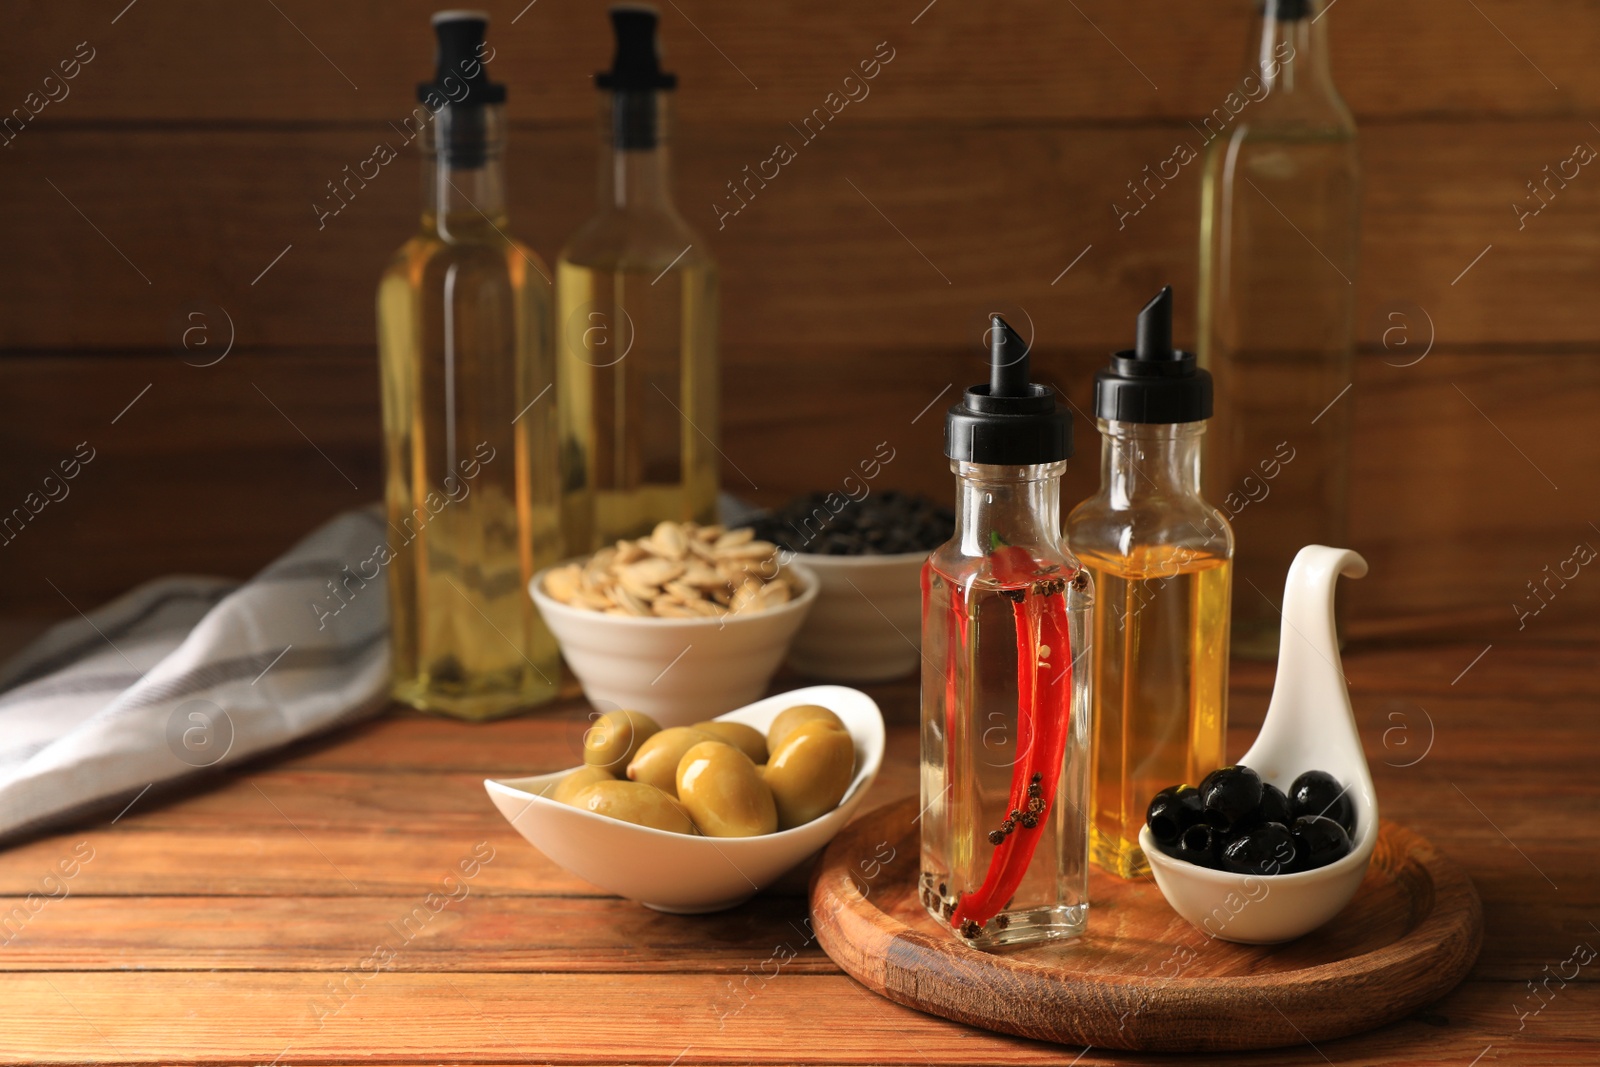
680,571
668,541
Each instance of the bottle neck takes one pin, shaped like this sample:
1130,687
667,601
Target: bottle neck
1019,505
635,127
463,183
1142,461
1292,56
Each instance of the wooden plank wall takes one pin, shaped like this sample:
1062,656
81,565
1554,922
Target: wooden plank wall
178,177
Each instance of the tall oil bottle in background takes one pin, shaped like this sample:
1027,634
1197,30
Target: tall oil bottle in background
465,354
636,323
1279,243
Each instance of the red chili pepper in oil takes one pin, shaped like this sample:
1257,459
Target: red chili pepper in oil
1043,722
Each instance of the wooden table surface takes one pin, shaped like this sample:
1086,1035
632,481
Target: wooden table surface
260,916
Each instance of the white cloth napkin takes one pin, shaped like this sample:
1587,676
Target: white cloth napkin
186,673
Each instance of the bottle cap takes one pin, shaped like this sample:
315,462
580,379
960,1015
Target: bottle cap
460,74
1151,382
637,63
1009,421
1286,10
635,77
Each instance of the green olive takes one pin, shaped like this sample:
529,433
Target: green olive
642,805
567,790
809,773
746,739
613,739
789,718
724,793
657,760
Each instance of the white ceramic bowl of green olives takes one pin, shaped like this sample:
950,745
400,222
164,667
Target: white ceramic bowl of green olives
731,835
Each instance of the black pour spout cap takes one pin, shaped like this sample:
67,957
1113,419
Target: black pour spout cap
1286,10
635,78
461,76
1151,382
636,66
1010,421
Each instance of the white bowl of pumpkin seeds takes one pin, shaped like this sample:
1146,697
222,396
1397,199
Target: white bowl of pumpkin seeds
689,622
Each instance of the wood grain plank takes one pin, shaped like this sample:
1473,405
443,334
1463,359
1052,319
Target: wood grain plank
1531,874
329,806
382,861
1104,61
1405,743
1451,503
811,259
404,742
242,856
478,933
407,1018
470,934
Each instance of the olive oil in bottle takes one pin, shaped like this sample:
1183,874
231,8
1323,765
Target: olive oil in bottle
636,324
1161,559
465,356
1160,668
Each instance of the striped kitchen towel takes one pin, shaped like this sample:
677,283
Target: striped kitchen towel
189,673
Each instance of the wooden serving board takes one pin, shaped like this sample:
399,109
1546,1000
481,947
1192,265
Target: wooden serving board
1141,977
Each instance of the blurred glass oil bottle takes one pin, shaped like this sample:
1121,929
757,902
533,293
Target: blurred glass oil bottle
636,322
465,354
1279,243
1161,559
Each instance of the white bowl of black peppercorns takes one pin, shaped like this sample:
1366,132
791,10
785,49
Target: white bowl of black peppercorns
867,555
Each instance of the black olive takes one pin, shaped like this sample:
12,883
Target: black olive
1319,793
1318,841
1266,848
1197,845
1274,806
1230,794
1172,811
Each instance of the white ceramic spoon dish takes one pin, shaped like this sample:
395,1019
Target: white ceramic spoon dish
1309,726
677,872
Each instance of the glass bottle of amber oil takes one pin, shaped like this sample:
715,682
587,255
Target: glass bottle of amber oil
1005,692
1161,558
1280,241
636,321
465,354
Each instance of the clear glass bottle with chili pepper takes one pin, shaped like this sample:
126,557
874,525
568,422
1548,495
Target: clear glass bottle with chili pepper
1005,705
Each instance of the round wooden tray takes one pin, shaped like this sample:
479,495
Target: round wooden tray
1141,977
